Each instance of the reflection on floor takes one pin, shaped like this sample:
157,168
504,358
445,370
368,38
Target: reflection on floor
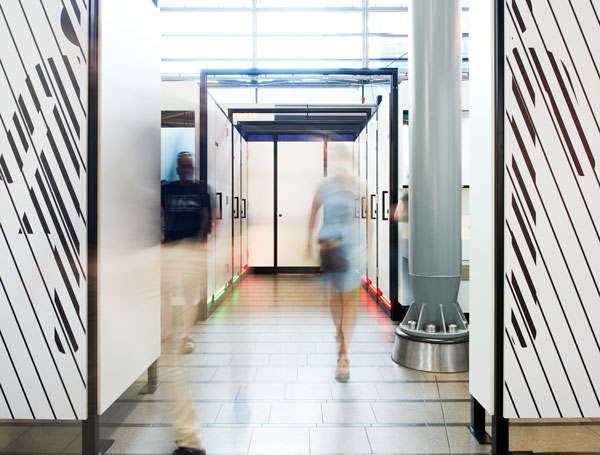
262,379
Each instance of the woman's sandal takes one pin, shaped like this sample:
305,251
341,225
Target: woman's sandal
342,372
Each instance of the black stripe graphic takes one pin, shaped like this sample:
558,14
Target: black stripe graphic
67,282
511,399
59,199
17,375
40,73
65,97
524,268
76,9
523,108
25,113
66,140
519,17
537,355
71,75
5,170
559,119
34,96
12,416
38,210
39,324
522,147
59,344
65,320
558,299
63,170
524,74
519,178
522,305
566,71
517,329
20,131
567,99
27,347
516,357
524,230
13,146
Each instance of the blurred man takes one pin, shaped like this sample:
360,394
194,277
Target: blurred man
186,212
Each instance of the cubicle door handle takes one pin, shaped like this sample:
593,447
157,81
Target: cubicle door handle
384,208
357,207
236,207
363,209
373,209
244,208
220,205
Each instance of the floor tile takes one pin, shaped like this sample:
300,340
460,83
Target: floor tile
339,440
415,412
235,374
350,391
9,433
43,440
308,392
309,413
226,440
244,412
401,440
462,441
262,392
280,440
407,391
348,413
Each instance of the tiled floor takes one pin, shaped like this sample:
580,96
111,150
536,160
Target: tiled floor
262,380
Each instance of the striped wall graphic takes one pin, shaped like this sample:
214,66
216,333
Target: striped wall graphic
552,206
43,102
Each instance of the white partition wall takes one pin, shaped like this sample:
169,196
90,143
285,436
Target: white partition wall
383,192
551,240
299,173
237,204
43,234
244,204
129,196
261,200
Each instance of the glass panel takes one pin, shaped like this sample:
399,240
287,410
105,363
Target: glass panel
386,22
308,3
206,3
216,47
233,95
357,63
189,67
296,22
206,22
387,47
388,3
299,95
464,22
310,47
465,47
402,65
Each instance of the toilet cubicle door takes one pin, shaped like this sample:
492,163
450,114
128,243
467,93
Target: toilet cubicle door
237,233
224,203
299,173
364,200
383,186
211,182
372,200
261,203
244,202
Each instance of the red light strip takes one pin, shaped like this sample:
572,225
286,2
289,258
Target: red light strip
244,270
365,279
386,301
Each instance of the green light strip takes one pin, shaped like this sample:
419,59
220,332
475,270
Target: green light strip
237,277
219,294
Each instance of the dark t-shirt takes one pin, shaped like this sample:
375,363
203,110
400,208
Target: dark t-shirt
183,206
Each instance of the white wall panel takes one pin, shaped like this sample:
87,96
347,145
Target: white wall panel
299,173
383,192
552,245
43,188
129,195
481,204
261,229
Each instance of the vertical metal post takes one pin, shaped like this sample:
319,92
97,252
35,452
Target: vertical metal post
500,433
397,311
91,425
477,426
152,383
